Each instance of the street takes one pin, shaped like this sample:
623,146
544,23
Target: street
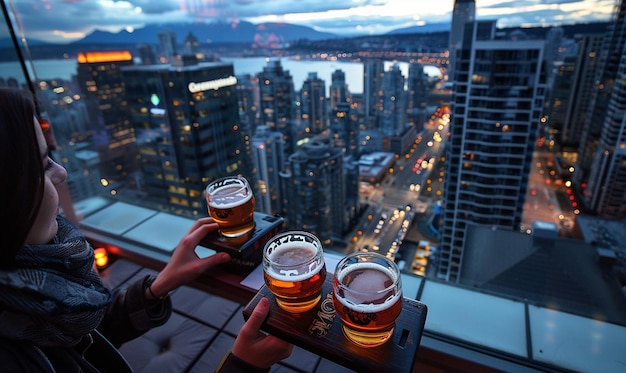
398,197
402,201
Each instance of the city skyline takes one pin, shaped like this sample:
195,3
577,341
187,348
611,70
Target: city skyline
70,21
556,268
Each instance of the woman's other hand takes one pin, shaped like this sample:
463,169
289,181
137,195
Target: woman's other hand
257,348
184,265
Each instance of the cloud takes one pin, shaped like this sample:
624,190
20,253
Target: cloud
74,19
71,18
543,12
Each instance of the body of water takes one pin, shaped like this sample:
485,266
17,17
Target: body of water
299,70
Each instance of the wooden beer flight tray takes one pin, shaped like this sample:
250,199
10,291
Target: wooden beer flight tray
319,331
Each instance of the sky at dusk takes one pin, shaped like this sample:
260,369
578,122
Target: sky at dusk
69,20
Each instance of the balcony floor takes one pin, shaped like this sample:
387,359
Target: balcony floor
200,332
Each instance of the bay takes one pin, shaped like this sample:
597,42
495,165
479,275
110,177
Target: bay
50,69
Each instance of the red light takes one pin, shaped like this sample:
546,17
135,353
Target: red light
45,124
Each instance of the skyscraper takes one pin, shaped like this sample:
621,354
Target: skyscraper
186,119
393,115
314,184
417,94
146,54
561,92
344,130
498,98
268,147
102,86
586,65
313,105
277,97
554,40
248,95
339,92
606,188
169,49
463,11
191,45
373,71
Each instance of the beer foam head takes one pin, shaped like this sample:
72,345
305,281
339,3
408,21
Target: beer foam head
293,261
364,292
223,198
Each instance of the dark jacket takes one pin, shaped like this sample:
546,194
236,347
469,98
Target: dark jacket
129,316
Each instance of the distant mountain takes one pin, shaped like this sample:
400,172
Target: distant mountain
218,32
569,30
427,28
534,32
8,43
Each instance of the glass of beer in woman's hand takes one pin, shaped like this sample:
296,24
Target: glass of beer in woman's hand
231,205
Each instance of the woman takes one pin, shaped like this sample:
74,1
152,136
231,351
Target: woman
54,310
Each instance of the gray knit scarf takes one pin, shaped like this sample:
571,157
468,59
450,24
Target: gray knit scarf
54,295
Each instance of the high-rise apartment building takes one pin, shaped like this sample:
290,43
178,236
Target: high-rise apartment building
464,11
344,130
393,116
605,194
186,119
373,72
417,94
146,54
168,44
191,44
586,65
277,98
560,98
103,92
554,40
313,183
248,95
70,126
339,92
268,148
496,109
313,105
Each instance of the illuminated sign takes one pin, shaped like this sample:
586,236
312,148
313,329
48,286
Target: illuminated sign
104,56
212,84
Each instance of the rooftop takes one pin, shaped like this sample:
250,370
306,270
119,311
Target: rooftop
497,332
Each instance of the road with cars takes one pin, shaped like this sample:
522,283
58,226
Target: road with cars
395,200
398,199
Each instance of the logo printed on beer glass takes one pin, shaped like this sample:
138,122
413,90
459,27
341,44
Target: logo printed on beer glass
231,204
294,270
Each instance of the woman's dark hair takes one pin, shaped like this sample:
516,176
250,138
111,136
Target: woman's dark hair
21,170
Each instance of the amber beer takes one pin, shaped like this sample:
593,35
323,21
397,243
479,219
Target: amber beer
367,296
231,204
294,270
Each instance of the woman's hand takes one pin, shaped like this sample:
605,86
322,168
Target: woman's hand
257,348
184,265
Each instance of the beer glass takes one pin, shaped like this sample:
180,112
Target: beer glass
231,205
294,270
367,296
